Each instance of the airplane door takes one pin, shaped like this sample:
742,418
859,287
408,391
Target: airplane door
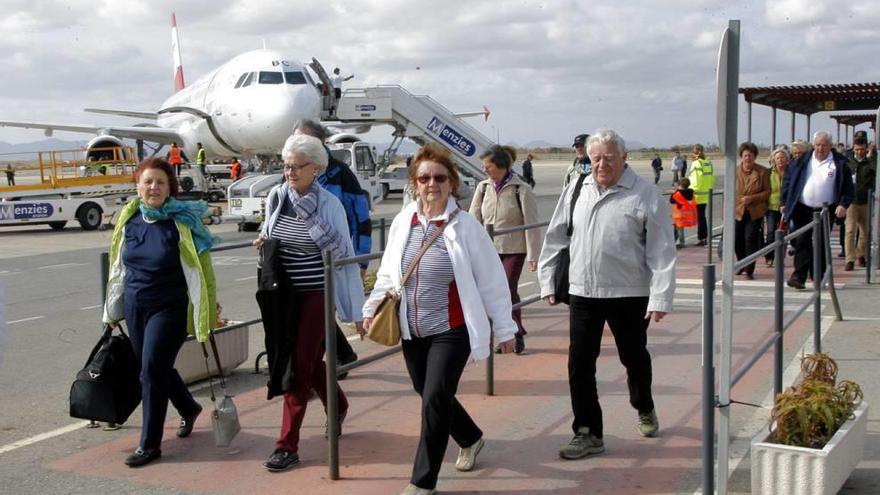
328,97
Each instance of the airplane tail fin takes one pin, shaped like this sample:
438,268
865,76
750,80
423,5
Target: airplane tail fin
178,62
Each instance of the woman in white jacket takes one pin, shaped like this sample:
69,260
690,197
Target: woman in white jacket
445,308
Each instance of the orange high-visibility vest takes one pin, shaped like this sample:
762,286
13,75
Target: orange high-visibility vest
684,213
174,156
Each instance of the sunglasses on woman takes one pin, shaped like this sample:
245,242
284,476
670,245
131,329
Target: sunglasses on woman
439,179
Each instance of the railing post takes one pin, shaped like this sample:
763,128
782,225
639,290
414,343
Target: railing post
778,309
818,247
490,361
709,225
330,346
709,401
382,233
869,240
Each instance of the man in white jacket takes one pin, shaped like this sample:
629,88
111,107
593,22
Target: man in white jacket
622,272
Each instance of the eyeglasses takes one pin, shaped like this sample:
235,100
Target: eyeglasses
295,168
439,179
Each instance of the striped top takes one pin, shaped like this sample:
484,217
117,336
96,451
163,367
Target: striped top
299,254
432,302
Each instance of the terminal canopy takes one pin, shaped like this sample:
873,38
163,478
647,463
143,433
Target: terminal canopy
854,119
816,98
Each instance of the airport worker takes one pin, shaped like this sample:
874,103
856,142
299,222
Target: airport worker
162,283
235,170
305,220
581,164
684,210
815,179
337,79
657,166
504,201
528,171
10,175
175,157
864,170
201,159
752,195
622,272
339,179
702,181
678,168
779,160
456,296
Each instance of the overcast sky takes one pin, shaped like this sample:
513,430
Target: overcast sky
546,69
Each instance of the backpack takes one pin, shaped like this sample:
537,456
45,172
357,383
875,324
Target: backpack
108,388
515,192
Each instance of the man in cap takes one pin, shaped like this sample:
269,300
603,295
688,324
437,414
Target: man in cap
581,164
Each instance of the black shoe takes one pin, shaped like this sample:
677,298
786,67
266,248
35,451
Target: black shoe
701,242
841,254
862,261
187,423
341,418
796,284
342,361
280,460
750,276
520,345
142,457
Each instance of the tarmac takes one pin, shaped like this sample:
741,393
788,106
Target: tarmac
524,423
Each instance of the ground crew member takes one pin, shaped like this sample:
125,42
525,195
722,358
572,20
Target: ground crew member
175,158
201,159
10,175
684,213
235,170
702,181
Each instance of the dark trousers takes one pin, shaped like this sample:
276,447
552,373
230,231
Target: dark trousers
773,218
156,336
702,225
435,364
309,370
513,265
748,238
803,245
626,318
656,175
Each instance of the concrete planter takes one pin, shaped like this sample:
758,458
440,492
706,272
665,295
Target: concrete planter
785,469
233,347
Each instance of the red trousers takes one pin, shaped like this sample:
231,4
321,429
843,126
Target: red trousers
309,370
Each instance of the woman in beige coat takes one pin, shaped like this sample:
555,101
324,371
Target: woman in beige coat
504,200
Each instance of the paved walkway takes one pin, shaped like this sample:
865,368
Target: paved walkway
526,421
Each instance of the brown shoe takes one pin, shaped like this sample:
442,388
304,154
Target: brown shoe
848,267
862,261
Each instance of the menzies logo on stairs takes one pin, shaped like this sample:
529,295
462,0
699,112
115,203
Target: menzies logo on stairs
452,137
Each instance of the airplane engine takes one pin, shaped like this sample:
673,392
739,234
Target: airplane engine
102,148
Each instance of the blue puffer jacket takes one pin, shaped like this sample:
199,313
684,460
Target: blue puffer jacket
341,181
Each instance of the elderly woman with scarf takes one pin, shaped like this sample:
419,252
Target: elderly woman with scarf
162,283
303,220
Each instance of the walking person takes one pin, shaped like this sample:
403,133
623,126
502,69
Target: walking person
864,170
657,166
456,296
622,272
162,283
528,171
10,175
684,210
813,180
581,164
779,163
202,159
678,168
305,220
752,193
702,180
504,201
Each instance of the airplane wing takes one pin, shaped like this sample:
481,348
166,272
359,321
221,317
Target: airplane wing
125,113
146,132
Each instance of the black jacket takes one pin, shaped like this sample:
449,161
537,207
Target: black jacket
279,313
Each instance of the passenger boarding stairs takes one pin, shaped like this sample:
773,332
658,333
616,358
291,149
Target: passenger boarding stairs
417,117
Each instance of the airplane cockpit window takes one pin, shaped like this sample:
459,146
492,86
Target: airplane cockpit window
271,78
249,79
295,78
241,80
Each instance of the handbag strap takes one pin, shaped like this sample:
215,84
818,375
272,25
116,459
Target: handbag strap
424,249
574,198
216,360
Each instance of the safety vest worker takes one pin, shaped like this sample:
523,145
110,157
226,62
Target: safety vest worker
235,169
174,157
701,176
684,213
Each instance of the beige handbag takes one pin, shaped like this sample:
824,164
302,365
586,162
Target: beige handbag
385,329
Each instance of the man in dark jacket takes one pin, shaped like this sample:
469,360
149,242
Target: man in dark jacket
657,165
864,170
813,180
528,171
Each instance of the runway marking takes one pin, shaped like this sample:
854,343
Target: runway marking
91,307
24,319
242,279
526,284
62,265
42,436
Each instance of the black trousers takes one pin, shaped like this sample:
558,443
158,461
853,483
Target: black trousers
702,224
626,318
803,245
156,336
435,365
773,217
748,238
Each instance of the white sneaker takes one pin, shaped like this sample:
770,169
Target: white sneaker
414,490
467,457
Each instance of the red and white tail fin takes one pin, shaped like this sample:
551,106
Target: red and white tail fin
178,62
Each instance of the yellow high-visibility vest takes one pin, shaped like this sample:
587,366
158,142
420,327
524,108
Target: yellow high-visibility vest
702,180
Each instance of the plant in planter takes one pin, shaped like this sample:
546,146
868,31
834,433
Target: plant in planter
817,434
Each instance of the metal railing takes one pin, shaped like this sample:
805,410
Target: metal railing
820,229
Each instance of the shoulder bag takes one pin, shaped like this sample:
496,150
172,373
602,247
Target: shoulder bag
560,278
385,329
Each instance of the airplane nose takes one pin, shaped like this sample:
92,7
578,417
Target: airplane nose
279,111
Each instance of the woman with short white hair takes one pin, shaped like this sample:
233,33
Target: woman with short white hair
303,220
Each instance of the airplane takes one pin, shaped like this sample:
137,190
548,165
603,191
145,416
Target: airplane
247,106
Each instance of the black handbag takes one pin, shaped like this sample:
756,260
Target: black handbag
108,388
560,275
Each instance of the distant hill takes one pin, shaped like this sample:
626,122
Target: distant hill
28,151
